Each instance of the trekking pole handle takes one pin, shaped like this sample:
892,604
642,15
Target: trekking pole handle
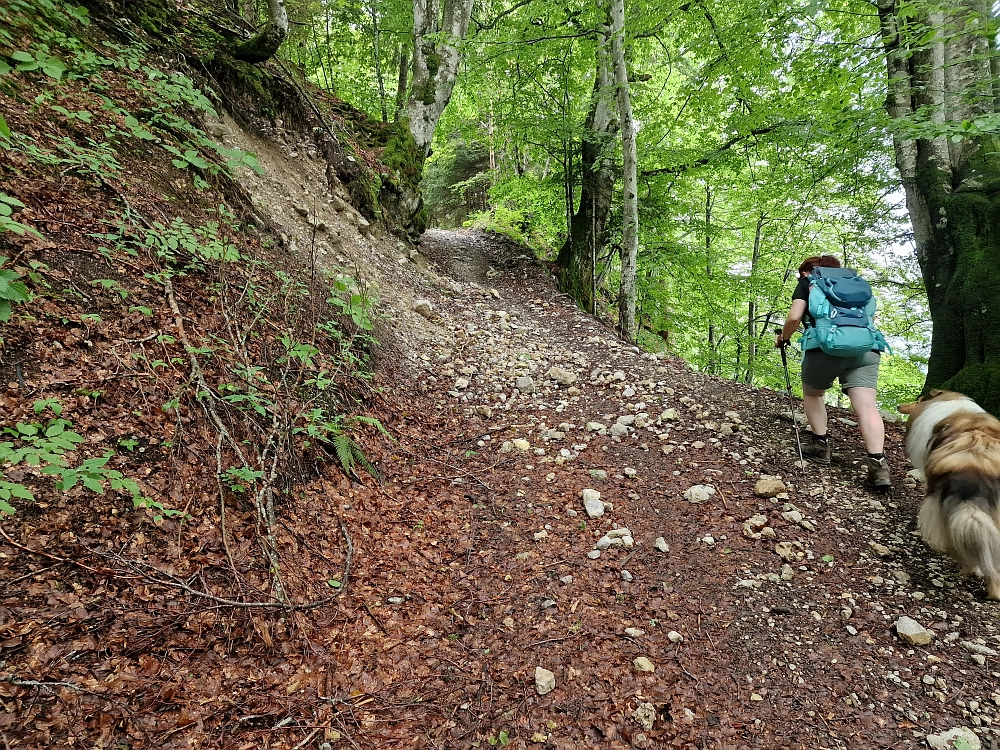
784,342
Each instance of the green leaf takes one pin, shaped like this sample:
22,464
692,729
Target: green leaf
21,56
4,128
93,485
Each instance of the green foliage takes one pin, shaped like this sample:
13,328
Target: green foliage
7,222
347,298
44,446
12,289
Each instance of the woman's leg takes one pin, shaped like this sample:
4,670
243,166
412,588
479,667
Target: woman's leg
869,420
815,409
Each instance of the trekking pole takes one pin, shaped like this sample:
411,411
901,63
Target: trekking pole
791,401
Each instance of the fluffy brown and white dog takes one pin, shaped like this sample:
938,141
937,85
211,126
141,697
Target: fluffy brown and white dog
956,444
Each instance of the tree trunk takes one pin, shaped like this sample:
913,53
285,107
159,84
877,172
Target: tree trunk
951,187
377,54
264,44
713,359
437,33
404,69
630,191
588,226
752,303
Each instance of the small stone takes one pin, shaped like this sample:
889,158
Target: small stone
424,308
977,648
674,637
596,427
787,573
594,554
661,544
630,473
792,516
668,415
545,681
561,376
598,474
756,697
520,444
592,503
539,738
635,632
645,715
525,384
396,600
484,411
699,493
880,549
566,580
946,740
768,487
642,664
912,632
604,542
626,576
786,551
541,535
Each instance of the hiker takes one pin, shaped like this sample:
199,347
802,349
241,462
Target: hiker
858,373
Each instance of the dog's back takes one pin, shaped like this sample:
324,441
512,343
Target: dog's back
957,445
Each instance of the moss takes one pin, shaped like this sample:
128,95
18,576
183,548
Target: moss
401,154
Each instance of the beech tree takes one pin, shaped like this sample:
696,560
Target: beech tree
437,33
943,98
586,237
630,196
263,45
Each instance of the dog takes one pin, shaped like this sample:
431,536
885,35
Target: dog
956,444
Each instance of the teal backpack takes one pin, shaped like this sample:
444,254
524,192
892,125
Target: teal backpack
843,306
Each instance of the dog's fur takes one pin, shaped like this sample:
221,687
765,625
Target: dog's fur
956,445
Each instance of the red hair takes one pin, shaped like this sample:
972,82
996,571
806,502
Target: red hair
823,261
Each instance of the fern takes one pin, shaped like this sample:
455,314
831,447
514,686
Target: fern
350,454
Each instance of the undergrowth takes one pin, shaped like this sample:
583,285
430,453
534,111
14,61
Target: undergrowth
266,358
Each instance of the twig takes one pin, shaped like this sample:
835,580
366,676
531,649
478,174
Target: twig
13,680
375,619
62,559
350,556
222,508
307,739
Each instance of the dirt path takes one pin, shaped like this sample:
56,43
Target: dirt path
745,653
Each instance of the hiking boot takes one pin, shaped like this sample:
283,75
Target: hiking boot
817,451
878,473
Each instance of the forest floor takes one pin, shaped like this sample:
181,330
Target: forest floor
458,598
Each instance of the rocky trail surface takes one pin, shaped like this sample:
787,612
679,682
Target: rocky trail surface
614,551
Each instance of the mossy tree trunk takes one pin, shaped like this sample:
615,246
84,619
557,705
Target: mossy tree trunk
437,33
588,226
952,184
265,43
627,324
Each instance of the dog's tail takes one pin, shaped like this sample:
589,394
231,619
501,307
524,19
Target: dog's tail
975,538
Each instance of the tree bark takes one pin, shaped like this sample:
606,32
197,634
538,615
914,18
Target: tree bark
951,186
437,33
265,43
588,226
404,69
630,193
377,55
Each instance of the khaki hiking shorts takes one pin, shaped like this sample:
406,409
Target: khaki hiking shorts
820,369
